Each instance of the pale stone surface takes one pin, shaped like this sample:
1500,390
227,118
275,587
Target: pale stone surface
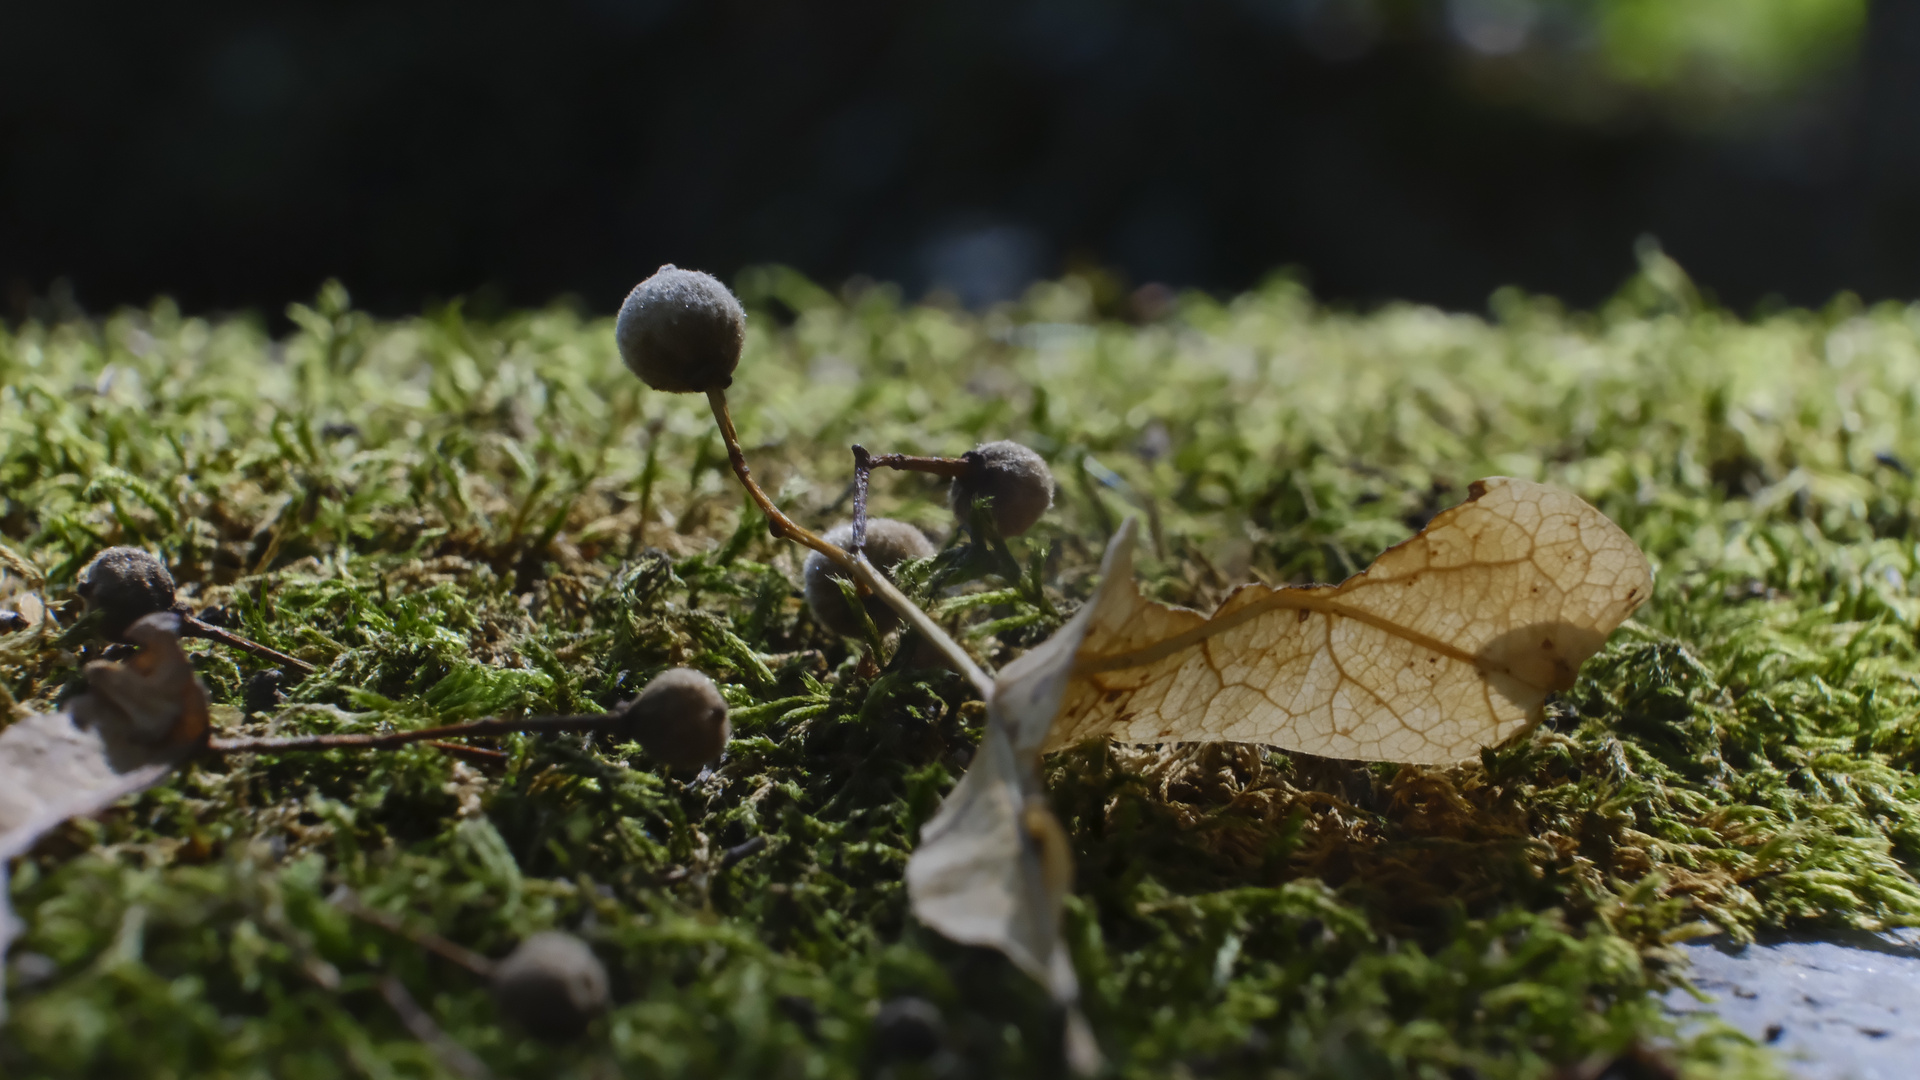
1837,1007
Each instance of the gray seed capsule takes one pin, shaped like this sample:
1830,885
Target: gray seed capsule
125,584
681,331
888,544
1013,476
680,719
552,985
908,1029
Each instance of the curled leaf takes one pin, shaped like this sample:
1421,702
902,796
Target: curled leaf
1448,643
137,721
994,865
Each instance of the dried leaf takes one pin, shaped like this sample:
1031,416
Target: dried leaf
994,865
136,722
1448,643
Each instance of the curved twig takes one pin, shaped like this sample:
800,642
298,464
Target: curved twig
781,524
857,567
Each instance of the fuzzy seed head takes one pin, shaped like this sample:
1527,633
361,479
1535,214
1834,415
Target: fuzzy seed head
1013,476
125,584
552,985
680,719
681,331
888,544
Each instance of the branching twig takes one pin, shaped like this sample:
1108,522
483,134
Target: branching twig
781,524
858,568
864,463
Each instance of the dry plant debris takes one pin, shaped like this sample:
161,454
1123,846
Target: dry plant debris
138,721
454,518
1448,644
994,866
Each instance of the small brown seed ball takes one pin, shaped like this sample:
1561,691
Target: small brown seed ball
1013,476
552,985
125,584
888,544
680,719
908,1029
681,331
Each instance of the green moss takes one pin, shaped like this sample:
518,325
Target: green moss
457,519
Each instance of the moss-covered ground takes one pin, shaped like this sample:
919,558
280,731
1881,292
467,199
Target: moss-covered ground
458,518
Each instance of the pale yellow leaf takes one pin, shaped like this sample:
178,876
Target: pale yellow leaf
1448,643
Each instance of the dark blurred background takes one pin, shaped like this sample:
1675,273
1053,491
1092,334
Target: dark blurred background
235,155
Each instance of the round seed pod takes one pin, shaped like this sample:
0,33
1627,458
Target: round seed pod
1013,476
681,331
552,985
680,719
125,584
908,1029
263,690
889,543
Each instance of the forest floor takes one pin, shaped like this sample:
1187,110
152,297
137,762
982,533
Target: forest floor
456,518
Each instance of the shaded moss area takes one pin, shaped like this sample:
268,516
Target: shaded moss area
458,519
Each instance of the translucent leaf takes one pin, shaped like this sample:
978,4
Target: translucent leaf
994,866
1448,643
136,721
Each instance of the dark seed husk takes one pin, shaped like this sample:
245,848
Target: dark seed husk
888,544
681,331
552,985
680,719
908,1029
125,584
1013,476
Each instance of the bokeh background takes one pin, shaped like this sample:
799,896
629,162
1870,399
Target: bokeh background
235,155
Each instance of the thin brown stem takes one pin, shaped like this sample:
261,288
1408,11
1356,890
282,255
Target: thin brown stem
349,901
858,568
928,629
863,465
370,741
194,626
862,471
453,1057
950,467
781,524
472,753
